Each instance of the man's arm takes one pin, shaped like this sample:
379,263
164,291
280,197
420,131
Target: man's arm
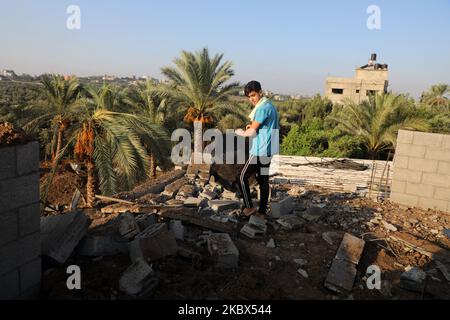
250,132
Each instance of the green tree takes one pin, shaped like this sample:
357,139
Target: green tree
437,96
198,83
377,122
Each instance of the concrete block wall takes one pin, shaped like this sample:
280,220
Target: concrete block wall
422,170
20,245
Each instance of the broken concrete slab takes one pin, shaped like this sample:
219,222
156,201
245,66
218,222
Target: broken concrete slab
220,206
291,222
341,276
61,234
128,227
350,249
138,279
446,232
258,222
187,191
228,195
154,243
146,220
313,214
120,208
224,251
172,189
102,245
195,202
208,194
413,280
282,207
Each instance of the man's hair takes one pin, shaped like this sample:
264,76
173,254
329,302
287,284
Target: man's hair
252,86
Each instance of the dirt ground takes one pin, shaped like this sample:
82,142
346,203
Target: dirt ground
270,273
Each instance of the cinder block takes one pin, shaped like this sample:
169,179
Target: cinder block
398,186
405,199
444,167
7,162
102,245
61,234
30,274
18,192
427,203
424,165
408,175
16,253
442,194
282,207
405,136
222,248
29,219
410,150
419,189
8,227
27,156
138,278
436,180
401,162
9,285
427,139
437,154
152,244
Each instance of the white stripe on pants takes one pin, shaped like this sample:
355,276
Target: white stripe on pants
246,196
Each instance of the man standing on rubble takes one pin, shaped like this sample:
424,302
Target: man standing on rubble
264,144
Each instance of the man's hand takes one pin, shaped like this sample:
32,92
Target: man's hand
239,132
251,130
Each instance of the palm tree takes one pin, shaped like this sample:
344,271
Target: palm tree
63,98
198,82
145,99
377,122
437,96
107,95
110,145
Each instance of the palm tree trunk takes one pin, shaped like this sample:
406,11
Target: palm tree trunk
59,142
91,184
152,160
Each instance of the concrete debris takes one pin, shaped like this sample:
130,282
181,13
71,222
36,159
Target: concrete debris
341,276
208,194
97,245
222,248
152,244
120,208
389,226
220,206
303,273
446,232
271,244
252,231
187,191
327,237
61,234
228,195
290,222
413,280
171,190
282,207
313,214
258,222
128,226
301,262
195,202
146,220
138,279
386,289
443,268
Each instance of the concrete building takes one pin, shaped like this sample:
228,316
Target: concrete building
369,79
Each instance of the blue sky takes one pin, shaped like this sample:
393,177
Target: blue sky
290,46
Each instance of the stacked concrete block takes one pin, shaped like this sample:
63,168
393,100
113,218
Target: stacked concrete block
422,170
20,248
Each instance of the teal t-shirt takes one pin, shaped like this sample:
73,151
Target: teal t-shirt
266,143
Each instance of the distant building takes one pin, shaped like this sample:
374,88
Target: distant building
109,78
8,73
369,80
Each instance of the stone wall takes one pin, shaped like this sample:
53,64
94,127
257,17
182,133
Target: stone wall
422,170
20,246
